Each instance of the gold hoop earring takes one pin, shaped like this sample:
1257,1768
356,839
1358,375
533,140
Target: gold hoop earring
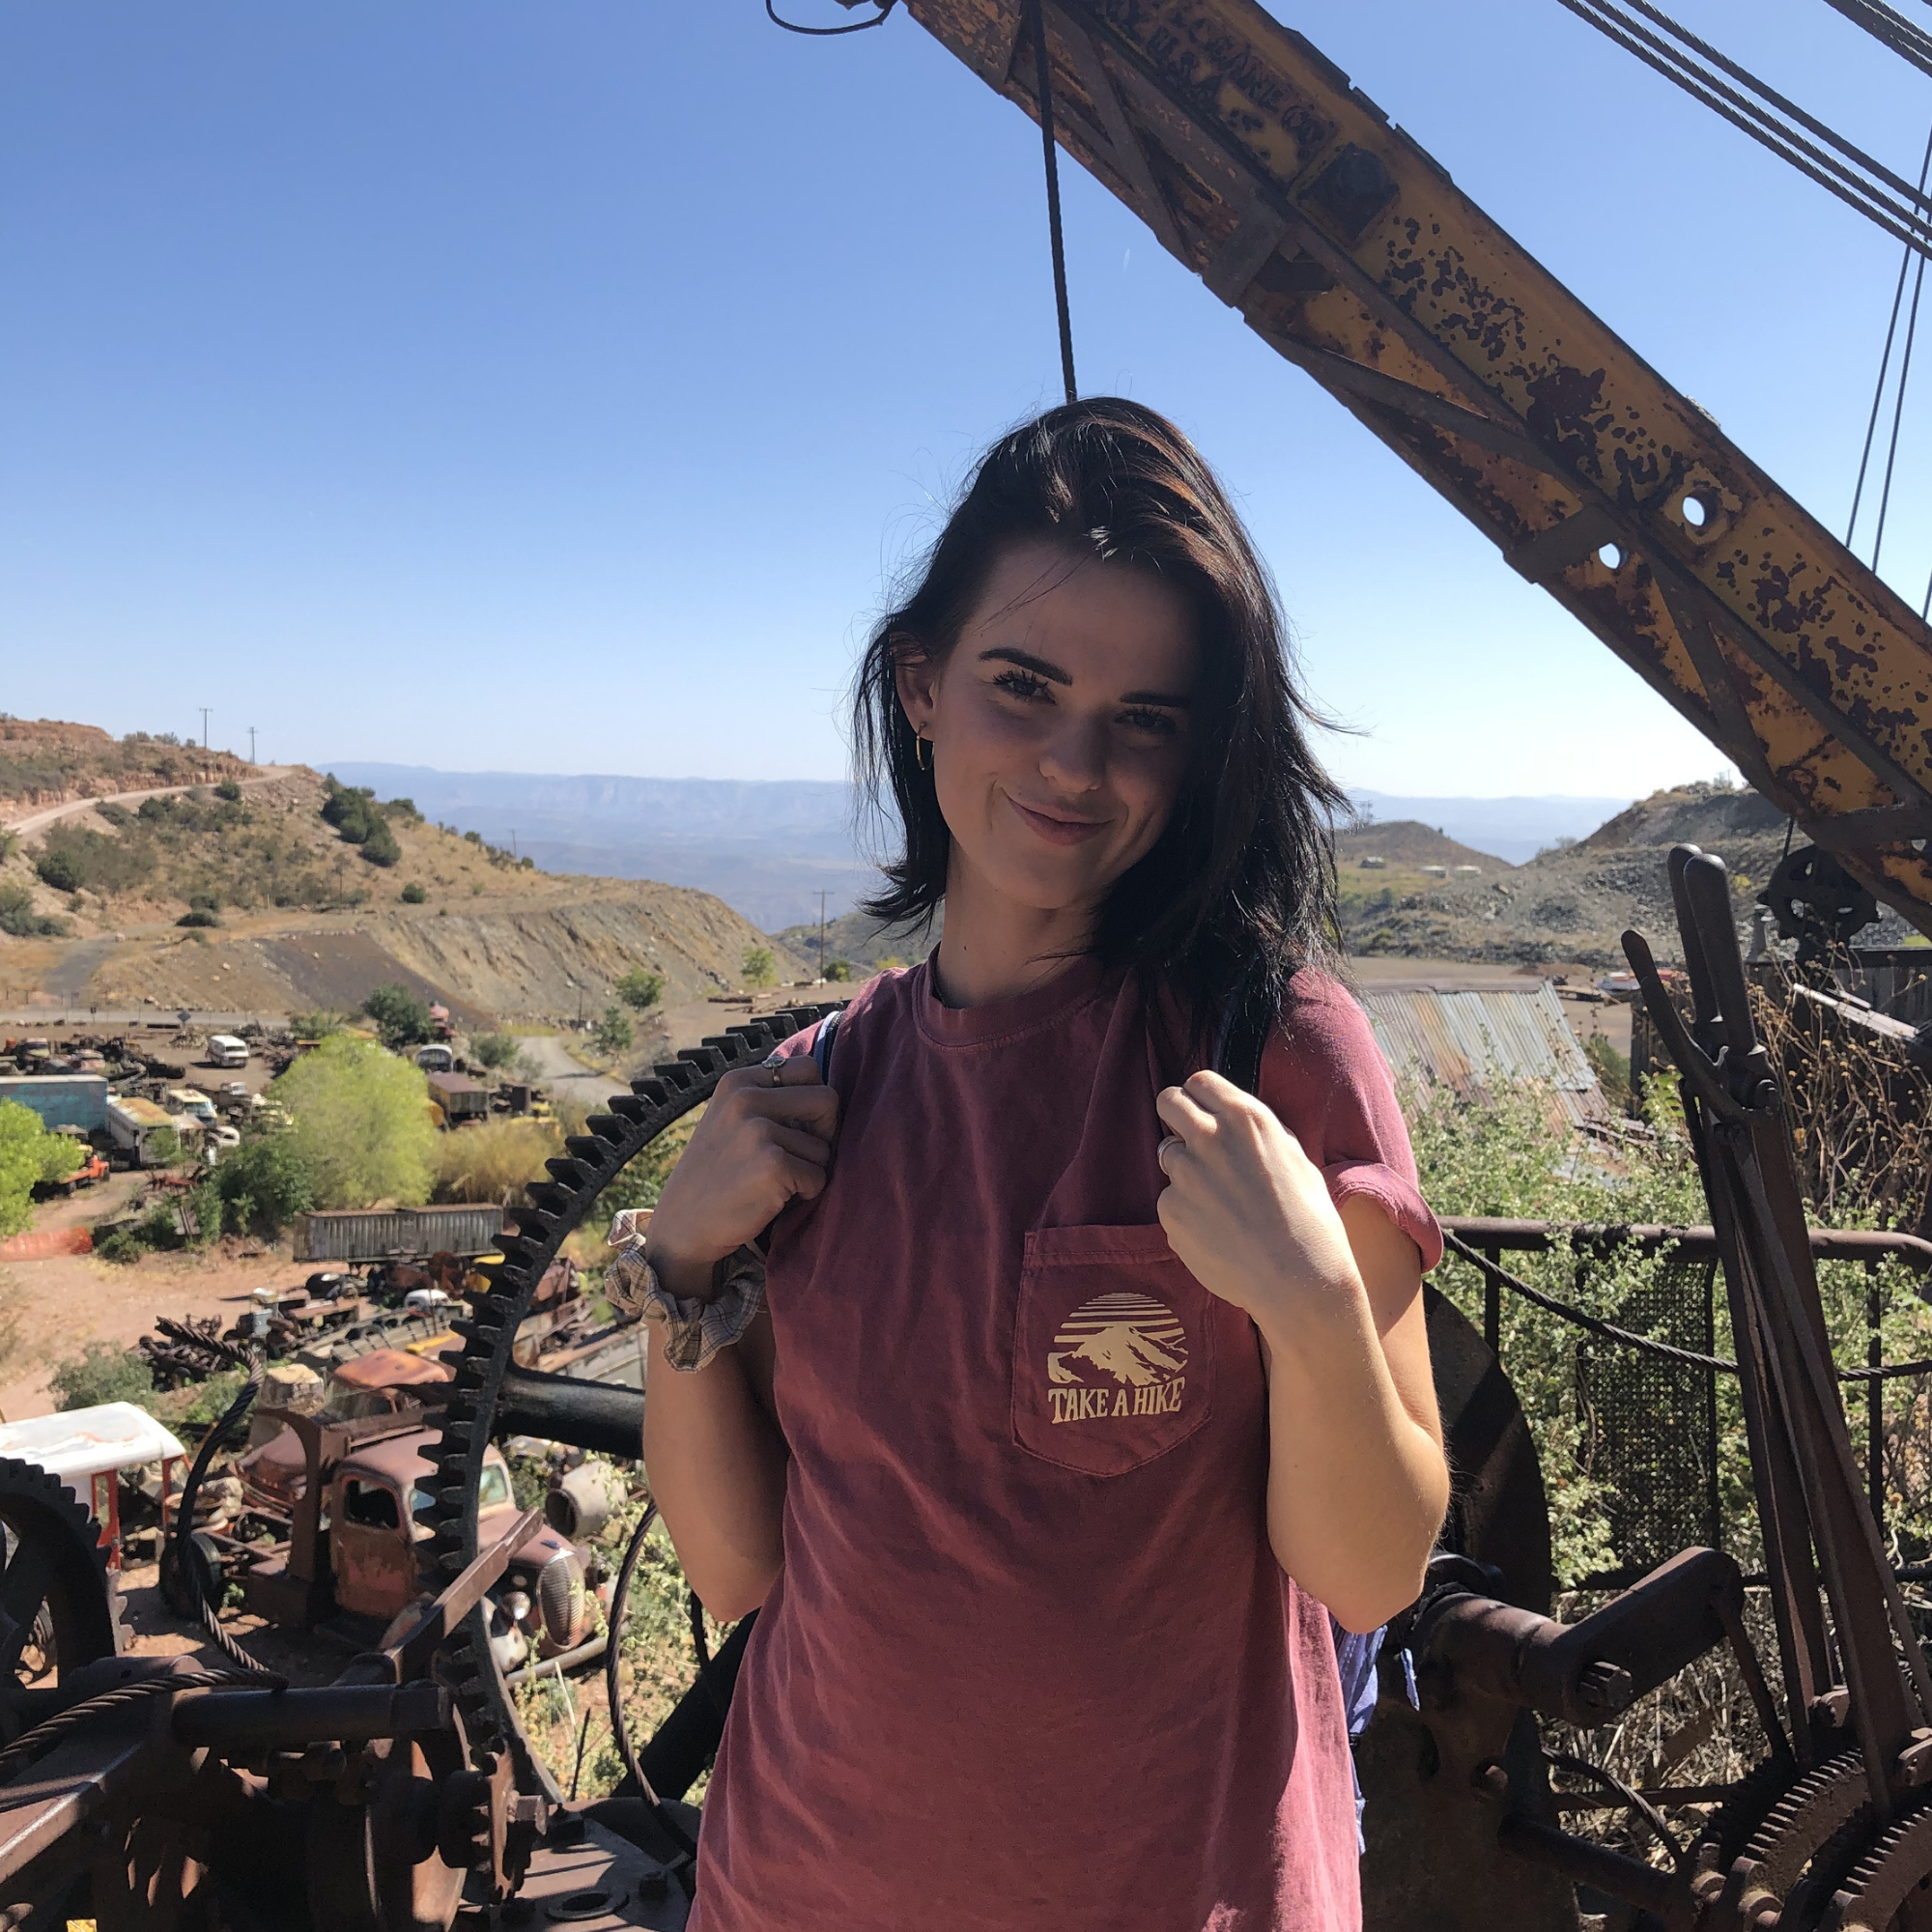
919,751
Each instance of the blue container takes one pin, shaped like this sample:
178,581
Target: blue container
62,1100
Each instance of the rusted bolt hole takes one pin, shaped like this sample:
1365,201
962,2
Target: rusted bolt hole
1612,558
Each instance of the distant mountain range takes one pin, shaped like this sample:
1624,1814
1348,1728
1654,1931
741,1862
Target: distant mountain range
768,848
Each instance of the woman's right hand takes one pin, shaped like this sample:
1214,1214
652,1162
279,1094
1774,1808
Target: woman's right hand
759,1146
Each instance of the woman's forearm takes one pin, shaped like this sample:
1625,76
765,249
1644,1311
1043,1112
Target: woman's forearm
716,1464
1357,1486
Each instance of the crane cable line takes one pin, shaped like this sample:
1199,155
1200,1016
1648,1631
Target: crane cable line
1911,43
1883,197
1043,73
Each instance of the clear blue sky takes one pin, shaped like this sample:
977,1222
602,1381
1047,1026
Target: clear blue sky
553,387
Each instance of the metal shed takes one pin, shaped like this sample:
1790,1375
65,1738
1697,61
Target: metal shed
1474,1039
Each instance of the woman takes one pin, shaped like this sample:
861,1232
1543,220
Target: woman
1082,1386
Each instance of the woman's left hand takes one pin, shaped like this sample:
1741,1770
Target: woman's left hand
1245,1209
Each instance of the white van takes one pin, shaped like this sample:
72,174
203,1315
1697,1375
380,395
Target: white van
225,1050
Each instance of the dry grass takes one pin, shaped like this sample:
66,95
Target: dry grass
492,1160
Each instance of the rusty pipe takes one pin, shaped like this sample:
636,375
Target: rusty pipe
250,1719
1583,1673
1584,1863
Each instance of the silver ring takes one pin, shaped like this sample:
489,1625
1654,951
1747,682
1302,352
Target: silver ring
1160,1153
778,1073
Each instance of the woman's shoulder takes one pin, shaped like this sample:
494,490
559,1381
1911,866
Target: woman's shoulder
1323,1064
879,1002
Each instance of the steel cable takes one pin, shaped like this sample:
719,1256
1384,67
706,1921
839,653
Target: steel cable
828,33
50,1730
1042,65
1867,197
1669,1352
1911,43
613,1688
1885,364
186,1566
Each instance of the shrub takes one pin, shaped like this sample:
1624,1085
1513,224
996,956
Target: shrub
164,1148
614,1031
639,990
413,894
759,969
400,1017
101,1373
260,1186
61,871
359,1124
837,968
1612,1069
30,1157
318,1025
229,791
380,847
18,918
496,1049
199,916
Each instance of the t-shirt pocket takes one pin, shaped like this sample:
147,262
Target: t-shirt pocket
1113,1349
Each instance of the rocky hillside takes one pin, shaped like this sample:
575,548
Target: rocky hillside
284,893
45,762
1575,905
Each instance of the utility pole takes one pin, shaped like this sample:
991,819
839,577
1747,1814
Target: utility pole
822,935
251,744
205,709
513,842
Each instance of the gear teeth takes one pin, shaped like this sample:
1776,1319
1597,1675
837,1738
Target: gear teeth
678,1074
705,1060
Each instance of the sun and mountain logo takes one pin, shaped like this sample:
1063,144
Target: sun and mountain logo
1117,1355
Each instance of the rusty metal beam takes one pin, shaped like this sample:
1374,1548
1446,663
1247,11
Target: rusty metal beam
1350,251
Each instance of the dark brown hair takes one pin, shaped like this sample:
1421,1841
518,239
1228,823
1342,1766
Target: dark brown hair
1239,892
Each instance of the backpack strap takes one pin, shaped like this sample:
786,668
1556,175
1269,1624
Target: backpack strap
821,1042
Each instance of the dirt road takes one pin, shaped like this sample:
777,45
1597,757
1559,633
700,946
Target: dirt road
38,821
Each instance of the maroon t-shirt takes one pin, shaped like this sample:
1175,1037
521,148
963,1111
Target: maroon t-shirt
1030,1661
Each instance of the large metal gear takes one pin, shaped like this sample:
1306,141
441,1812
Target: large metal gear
492,1396
59,1608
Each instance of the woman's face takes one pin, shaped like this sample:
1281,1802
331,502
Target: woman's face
1059,724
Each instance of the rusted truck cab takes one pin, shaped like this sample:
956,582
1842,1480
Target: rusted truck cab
358,1536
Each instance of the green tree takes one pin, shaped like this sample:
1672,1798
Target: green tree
61,871
29,1157
640,990
413,894
759,969
614,1031
401,1018
228,791
260,1186
837,968
359,1124
494,1050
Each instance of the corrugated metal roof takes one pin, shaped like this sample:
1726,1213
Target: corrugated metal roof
1470,1042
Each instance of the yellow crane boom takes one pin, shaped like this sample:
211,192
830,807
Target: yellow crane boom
1352,252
